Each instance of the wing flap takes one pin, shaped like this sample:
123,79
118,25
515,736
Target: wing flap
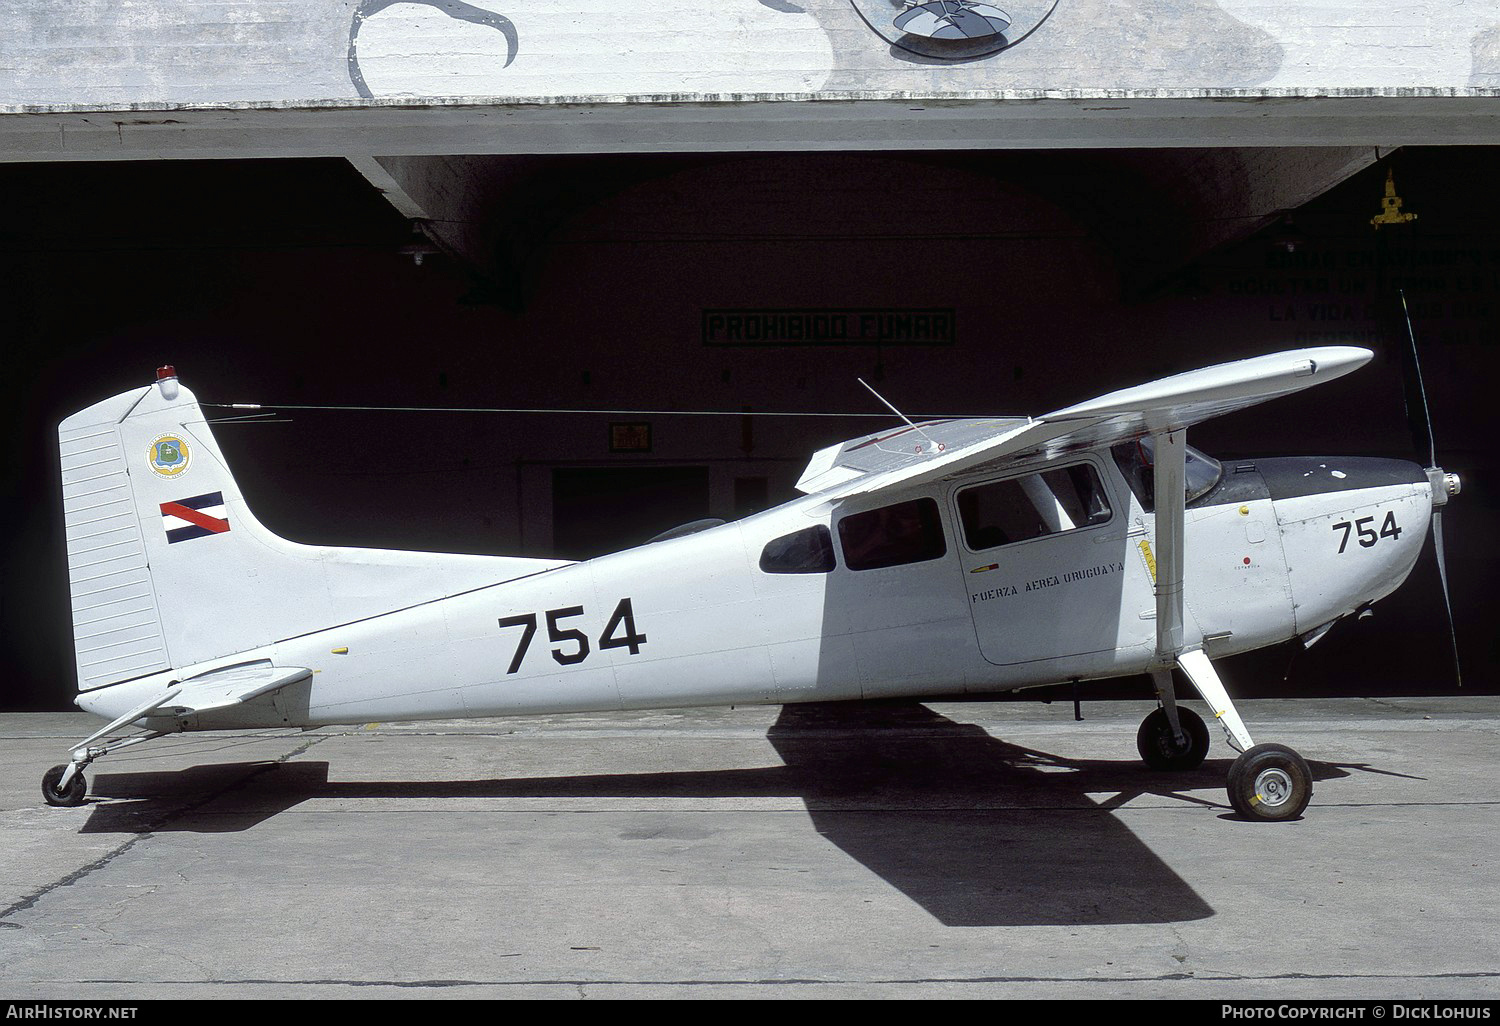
899,448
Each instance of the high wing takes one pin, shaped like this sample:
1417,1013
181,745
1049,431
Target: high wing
1163,409
935,450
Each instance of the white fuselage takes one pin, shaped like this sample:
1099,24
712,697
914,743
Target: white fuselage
696,621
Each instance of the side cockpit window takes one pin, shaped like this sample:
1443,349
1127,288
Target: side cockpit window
1004,512
907,532
1135,460
808,551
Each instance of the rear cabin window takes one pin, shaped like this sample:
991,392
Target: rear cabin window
908,532
1052,502
803,552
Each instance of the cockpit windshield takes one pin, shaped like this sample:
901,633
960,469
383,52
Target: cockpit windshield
1135,460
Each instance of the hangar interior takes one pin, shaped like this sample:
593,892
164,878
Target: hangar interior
336,290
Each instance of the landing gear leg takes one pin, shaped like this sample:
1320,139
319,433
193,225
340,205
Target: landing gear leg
1267,781
1171,738
66,785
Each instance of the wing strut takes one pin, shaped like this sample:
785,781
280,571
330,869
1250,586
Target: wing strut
1170,471
1173,645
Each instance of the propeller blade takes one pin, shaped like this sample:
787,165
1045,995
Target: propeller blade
1442,562
1421,432
1417,434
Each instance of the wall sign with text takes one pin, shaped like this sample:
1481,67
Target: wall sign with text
830,327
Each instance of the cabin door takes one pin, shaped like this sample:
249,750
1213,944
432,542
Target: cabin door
1051,568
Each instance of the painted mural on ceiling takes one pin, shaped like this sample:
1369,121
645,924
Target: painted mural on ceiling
169,52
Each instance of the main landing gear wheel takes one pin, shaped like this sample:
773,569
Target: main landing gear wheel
1160,748
1270,782
68,796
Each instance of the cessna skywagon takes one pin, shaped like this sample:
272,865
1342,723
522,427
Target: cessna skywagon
953,556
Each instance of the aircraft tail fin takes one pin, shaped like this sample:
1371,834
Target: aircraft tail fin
117,630
168,567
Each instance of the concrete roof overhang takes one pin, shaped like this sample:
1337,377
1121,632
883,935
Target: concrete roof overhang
1037,119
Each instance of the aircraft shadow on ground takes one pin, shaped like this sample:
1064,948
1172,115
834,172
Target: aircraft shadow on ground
976,830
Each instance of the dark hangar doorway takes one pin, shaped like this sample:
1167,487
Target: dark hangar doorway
596,510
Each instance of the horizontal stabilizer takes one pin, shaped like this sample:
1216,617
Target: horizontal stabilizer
216,689
234,685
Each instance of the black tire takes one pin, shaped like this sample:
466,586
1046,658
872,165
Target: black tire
1270,782
1161,750
69,796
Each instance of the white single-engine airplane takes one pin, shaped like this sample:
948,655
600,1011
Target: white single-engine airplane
973,555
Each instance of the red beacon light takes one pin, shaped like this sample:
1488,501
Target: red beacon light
166,382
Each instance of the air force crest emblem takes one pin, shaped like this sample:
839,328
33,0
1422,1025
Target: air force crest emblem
169,455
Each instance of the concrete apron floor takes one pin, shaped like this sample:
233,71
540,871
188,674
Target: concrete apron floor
887,850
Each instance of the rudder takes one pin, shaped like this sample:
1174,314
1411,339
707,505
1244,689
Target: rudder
117,631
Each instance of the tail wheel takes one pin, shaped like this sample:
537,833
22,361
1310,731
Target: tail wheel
1160,748
1270,782
68,796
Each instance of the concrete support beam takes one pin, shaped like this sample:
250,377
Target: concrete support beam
1019,120
374,172
467,206
1235,193
1190,202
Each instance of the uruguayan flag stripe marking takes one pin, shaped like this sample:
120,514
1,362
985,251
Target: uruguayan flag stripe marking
197,517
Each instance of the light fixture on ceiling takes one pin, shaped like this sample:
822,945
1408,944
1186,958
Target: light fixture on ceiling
1288,237
418,251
